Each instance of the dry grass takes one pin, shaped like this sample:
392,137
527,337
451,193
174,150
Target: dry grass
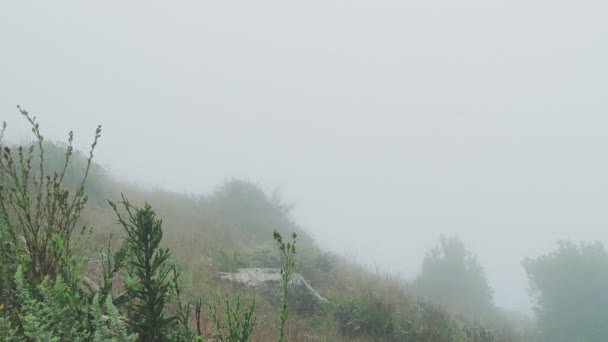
198,230
193,234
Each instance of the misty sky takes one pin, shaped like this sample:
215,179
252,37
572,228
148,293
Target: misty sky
387,122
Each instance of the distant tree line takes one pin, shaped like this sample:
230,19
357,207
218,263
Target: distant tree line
569,288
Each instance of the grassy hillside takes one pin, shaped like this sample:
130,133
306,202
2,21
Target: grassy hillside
232,228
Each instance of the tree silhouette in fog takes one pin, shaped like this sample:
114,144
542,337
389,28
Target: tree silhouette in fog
570,290
452,276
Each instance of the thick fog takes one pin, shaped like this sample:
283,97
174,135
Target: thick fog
387,123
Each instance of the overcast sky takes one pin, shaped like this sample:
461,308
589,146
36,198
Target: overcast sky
387,122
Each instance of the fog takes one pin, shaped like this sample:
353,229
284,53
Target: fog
388,123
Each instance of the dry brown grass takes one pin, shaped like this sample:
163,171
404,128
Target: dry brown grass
192,236
195,233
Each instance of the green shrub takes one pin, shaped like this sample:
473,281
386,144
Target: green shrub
36,207
362,314
42,292
148,273
238,325
428,323
43,297
54,312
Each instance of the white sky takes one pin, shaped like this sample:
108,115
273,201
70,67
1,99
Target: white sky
387,122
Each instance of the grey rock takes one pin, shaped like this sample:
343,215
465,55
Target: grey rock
269,277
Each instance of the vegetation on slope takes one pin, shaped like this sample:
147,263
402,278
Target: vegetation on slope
228,229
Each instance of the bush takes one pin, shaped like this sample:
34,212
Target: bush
36,207
427,322
151,281
43,295
43,298
363,315
238,324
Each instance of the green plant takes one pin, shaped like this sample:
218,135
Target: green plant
239,325
35,207
428,323
51,314
182,331
147,272
54,312
288,252
111,264
109,326
363,315
42,294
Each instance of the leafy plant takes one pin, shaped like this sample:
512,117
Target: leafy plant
111,263
109,326
239,325
35,207
147,271
363,315
182,331
430,323
54,312
42,295
288,252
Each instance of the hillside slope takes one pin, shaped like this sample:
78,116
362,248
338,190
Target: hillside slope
232,228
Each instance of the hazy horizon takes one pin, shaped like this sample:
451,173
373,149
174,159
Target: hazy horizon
387,123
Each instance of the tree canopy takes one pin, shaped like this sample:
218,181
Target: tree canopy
453,276
568,287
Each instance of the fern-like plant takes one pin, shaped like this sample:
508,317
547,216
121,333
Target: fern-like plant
55,313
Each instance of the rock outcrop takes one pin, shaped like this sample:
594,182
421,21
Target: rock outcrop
270,278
